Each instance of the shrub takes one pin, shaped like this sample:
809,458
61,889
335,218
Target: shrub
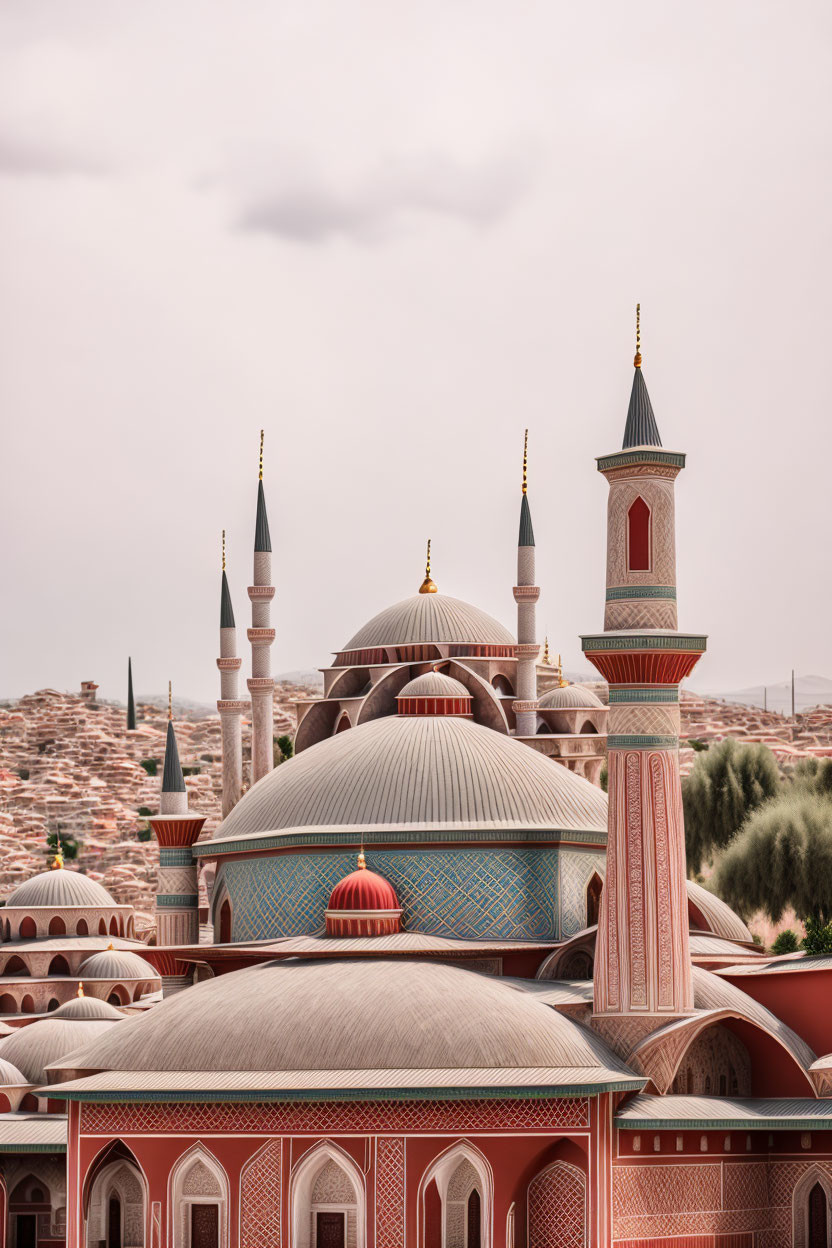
785,942
151,765
818,936
726,784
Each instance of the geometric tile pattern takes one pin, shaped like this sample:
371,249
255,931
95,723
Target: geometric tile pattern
557,1208
260,1199
390,1193
506,894
576,870
652,1201
329,1116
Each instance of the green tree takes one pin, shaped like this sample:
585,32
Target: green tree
813,775
781,858
818,936
727,783
284,748
785,942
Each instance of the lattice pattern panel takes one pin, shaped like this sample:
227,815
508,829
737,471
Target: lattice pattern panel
557,1208
650,1201
576,870
327,1117
260,1199
390,1193
503,894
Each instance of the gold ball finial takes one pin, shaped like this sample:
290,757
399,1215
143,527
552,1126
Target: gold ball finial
223,550
170,699
546,658
525,461
563,683
261,454
80,991
362,861
111,946
428,586
637,360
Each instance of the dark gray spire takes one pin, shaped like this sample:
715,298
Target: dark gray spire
131,705
172,779
526,531
226,609
262,540
641,428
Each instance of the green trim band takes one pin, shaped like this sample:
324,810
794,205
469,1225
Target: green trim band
623,459
622,642
621,593
297,840
728,1124
175,856
638,742
33,1148
644,695
537,1093
177,901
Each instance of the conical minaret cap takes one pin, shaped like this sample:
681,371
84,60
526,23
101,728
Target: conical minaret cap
262,538
172,779
131,704
641,428
226,608
526,537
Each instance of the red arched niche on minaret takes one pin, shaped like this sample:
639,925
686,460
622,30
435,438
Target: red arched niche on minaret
638,533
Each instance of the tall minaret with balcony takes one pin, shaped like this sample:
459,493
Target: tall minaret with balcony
526,594
229,706
642,961
176,829
261,636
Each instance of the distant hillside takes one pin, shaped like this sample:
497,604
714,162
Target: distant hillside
809,691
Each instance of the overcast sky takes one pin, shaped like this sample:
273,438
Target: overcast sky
394,234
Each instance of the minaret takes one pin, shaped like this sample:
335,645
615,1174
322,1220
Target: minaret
131,705
229,706
261,636
176,829
526,594
642,960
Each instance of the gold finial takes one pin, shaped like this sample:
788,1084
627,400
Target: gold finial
428,586
261,454
525,460
362,861
223,550
80,991
563,683
170,699
637,360
111,946
546,658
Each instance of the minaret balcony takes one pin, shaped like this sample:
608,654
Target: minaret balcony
232,706
260,684
229,665
527,650
261,593
526,593
260,636
520,707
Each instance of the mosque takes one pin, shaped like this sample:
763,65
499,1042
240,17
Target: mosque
456,996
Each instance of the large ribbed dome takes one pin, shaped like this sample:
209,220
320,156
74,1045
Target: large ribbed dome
570,698
31,1049
421,773
357,1015
116,964
58,888
426,618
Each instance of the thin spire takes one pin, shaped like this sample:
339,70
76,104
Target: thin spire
131,705
262,537
559,669
58,860
226,607
526,537
172,779
170,699
80,991
428,586
546,658
641,428
362,861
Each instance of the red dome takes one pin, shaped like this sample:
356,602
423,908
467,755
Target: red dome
363,904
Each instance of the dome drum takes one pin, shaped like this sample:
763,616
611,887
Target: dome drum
363,922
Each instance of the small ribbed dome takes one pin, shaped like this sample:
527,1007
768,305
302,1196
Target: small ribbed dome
570,698
87,1008
434,685
363,904
116,964
31,1049
10,1076
429,617
58,888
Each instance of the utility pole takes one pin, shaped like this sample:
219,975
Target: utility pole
765,698
792,693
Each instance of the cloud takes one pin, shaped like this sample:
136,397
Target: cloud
20,157
302,207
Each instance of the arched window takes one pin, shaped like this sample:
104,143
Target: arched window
638,537
327,1200
27,1005
81,928
343,723
225,922
812,1209
8,1005
53,1004
119,996
503,685
116,1201
58,965
593,899
464,1190
28,928
200,1201
102,928
557,1207
113,926
57,927
16,968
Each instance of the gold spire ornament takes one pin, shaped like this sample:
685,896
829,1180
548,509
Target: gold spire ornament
428,586
170,699
637,360
58,860
546,658
223,550
561,682
80,991
525,461
111,947
261,454
362,861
